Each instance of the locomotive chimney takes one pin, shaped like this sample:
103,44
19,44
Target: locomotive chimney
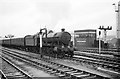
63,30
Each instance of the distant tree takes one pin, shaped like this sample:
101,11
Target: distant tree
9,36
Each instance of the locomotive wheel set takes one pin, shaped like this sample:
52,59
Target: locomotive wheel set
53,44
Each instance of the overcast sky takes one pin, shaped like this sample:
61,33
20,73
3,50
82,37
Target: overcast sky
26,17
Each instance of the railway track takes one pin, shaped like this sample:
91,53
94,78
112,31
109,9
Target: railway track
11,71
2,75
103,51
96,63
54,68
98,56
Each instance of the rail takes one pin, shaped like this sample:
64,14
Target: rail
26,75
55,68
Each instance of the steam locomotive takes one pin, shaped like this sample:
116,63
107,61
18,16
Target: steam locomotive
53,44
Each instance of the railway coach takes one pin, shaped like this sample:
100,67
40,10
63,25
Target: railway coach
6,42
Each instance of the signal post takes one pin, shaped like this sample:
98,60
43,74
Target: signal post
105,32
40,35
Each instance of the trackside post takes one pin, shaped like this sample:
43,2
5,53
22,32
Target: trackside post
40,35
99,42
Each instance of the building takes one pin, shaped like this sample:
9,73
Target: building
84,38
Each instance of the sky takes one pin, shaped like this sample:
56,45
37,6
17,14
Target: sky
26,17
